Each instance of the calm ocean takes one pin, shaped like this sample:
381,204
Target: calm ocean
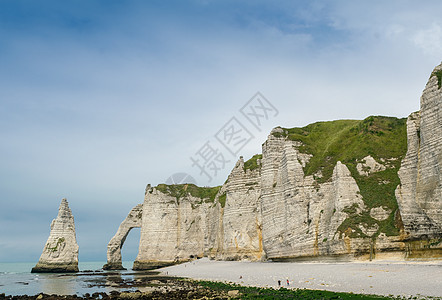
17,279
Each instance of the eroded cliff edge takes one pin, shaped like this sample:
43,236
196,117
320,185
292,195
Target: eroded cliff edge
344,189
420,193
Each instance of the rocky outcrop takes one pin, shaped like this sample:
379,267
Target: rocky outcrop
239,227
380,213
420,193
369,165
60,253
133,220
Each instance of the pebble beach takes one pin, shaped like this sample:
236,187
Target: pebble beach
379,278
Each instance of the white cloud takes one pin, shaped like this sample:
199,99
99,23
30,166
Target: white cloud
429,40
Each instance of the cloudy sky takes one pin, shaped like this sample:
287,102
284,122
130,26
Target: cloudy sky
99,98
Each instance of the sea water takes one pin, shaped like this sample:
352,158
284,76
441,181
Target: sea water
17,279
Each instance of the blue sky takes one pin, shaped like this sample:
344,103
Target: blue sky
99,98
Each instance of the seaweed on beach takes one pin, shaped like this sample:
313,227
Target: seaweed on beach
246,292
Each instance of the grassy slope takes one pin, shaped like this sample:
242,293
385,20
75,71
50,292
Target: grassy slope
179,191
349,141
252,163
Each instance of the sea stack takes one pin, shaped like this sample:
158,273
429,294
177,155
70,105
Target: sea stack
60,253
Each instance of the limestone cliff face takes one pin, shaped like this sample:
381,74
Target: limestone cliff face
60,253
238,232
341,189
420,193
173,228
183,222
301,217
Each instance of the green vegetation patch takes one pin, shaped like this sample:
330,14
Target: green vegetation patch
438,74
179,191
283,293
222,199
55,248
349,141
252,163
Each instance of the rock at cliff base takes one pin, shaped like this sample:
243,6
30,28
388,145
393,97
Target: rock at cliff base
60,253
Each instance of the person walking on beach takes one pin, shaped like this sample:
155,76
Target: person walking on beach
288,283
279,283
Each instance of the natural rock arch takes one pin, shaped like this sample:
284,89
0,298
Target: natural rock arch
133,220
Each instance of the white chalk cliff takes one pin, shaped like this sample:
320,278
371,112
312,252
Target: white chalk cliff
173,228
237,230
133,220
420,192
300,217
360,200
60,253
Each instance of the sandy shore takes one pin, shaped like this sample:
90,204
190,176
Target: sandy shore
381,278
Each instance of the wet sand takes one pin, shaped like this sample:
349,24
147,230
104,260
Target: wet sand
380,278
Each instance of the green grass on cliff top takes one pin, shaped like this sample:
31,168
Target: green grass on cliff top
438,74
349,141
180,191
252,163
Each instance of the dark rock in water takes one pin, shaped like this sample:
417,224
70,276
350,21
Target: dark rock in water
55,268
113,266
